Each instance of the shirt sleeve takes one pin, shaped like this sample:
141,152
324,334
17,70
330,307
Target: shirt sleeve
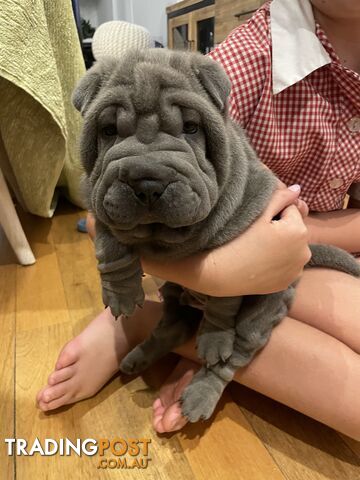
246,57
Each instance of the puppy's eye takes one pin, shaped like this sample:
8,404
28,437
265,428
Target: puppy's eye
109,130
190,128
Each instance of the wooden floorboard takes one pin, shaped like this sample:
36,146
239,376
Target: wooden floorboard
302,448
45,305
7,364
227,447
77,266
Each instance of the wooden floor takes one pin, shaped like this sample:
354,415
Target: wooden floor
43,306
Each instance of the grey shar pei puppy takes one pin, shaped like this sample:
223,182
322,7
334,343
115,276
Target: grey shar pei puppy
169,174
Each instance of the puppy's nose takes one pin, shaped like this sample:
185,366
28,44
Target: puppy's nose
147,190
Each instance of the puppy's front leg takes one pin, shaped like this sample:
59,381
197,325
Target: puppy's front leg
215,340
203,393
120,271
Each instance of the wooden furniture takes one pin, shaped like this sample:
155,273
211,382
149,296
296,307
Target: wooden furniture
191,25
12,227
231,13
199,25
9,221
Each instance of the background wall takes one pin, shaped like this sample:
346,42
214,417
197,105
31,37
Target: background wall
148,13
152,15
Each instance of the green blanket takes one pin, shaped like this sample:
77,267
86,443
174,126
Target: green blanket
40,63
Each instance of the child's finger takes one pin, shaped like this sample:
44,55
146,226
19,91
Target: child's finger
303,207
292,214
280,200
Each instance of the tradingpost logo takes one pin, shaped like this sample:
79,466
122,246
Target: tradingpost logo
130,453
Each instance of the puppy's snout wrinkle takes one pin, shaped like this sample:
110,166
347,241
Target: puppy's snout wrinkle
147,190
147,128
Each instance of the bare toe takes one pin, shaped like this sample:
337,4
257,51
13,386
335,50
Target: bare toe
54,404
171,420
157,405
61,375
55,392
167,415
40,395
158,413
68,355
174,385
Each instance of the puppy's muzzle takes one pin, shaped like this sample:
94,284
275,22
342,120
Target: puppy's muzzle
147,190
133,199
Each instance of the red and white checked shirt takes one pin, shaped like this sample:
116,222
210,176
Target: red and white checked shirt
299,105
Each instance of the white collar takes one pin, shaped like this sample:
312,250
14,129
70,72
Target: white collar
296,50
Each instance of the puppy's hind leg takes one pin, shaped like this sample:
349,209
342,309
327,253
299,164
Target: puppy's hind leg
178,324
256,319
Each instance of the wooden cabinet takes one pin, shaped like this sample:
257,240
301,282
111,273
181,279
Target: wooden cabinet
231,13
191,25
200,25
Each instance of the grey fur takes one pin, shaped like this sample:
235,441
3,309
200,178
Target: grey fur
160,191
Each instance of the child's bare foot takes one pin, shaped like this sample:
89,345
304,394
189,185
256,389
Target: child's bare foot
166,408
87,362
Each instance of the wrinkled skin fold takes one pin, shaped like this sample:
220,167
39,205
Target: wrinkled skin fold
168,174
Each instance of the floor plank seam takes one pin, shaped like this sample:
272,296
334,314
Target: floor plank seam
286,477
56,250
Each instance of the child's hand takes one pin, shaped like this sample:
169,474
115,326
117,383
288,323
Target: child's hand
266,258
301,204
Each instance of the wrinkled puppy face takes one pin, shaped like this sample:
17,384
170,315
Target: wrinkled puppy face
154,142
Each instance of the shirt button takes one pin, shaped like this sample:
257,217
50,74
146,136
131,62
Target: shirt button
336,183
354,124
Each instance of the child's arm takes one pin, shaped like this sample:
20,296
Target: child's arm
340,228
267,258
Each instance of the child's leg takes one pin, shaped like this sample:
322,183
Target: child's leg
314,370
330,301
301,367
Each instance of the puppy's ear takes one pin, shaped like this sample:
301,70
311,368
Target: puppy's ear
213,79
91,83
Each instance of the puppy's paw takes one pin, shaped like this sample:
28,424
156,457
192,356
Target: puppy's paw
215,345
199,400
134,362
123,303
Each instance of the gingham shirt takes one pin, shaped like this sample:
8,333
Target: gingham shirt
307,132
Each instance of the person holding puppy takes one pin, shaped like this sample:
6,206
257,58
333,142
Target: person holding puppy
294,69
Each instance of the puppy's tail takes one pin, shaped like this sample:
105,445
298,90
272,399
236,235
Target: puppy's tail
328,256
